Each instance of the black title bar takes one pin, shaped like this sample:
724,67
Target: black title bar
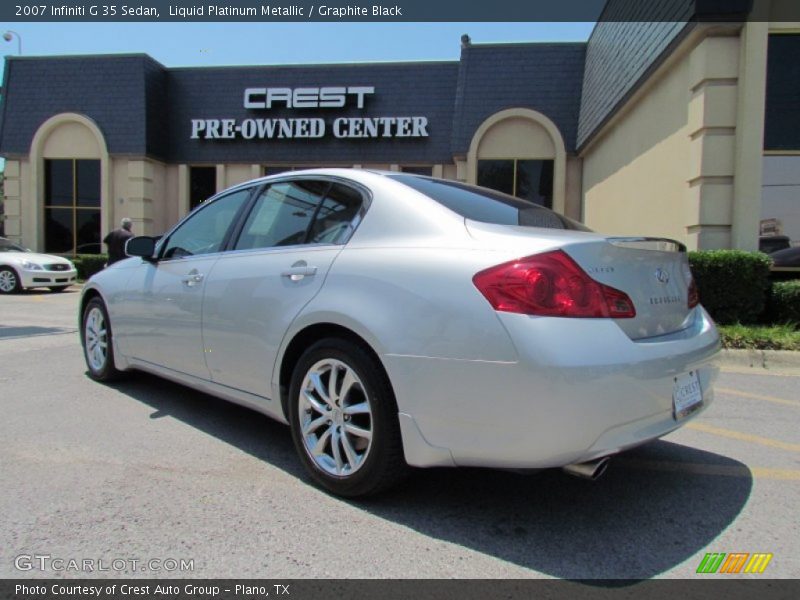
398,11
732,588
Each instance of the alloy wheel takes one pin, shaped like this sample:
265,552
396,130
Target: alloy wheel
96,339
335,417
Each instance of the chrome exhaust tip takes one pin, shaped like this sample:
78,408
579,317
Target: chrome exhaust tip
591,470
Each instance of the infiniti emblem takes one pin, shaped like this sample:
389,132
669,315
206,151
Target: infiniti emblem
662,276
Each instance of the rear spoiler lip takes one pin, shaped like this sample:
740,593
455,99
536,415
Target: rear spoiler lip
622,241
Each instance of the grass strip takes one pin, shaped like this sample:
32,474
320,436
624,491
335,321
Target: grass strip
760,337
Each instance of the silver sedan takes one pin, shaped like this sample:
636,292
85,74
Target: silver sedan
394,320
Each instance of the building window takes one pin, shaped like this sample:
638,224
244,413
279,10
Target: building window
72,206
781,117
202,184
418,170
528,179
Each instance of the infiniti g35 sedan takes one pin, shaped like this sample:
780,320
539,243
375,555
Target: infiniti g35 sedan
395,320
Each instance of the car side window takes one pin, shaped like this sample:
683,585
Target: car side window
205,231
336,217
282,214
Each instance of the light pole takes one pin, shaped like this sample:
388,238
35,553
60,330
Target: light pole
9,35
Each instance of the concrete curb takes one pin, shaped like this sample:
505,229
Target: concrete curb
760,362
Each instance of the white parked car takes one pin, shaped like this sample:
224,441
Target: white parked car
22,269
392,320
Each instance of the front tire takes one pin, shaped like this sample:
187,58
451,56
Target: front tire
9,281
343,417
96,337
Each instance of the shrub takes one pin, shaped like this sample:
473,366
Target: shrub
89,264
732,284
784,302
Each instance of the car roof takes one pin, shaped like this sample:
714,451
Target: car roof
786,255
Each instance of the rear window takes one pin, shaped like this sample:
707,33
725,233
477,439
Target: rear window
488,206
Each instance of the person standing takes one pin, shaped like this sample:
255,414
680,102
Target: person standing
116,241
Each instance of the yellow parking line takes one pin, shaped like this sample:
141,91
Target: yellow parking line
707,469
784,474
757,396
773,371
744,437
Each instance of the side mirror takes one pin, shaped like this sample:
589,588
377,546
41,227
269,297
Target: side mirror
142,245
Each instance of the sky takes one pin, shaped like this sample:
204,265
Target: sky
219,44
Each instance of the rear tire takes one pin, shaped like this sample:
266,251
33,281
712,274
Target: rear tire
343,417
9,281
97,341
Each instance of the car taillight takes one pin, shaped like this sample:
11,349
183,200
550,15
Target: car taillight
694,297
551,284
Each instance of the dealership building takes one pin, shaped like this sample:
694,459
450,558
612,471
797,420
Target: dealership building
680,128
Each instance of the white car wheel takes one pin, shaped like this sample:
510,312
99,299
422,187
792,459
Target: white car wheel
9,281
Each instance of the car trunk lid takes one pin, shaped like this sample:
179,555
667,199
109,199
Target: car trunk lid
653,272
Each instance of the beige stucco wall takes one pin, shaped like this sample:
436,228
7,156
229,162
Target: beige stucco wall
15,189
573,194
118,207
635,176
172,196
71,140
682,158
450,172
140,193
233,174
516,137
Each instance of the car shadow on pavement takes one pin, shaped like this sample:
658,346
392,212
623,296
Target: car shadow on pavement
12,332
656,506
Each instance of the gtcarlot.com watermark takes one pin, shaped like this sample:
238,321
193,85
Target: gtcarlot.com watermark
58,564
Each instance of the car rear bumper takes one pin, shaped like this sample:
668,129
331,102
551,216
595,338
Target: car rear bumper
32,279
581,389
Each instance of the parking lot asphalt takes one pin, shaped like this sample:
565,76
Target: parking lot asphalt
148,470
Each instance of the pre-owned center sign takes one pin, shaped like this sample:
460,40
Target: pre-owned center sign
263,98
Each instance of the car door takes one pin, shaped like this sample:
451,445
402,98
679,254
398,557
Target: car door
279,262
160,320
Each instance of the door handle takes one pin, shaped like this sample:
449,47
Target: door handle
193,278
299,273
